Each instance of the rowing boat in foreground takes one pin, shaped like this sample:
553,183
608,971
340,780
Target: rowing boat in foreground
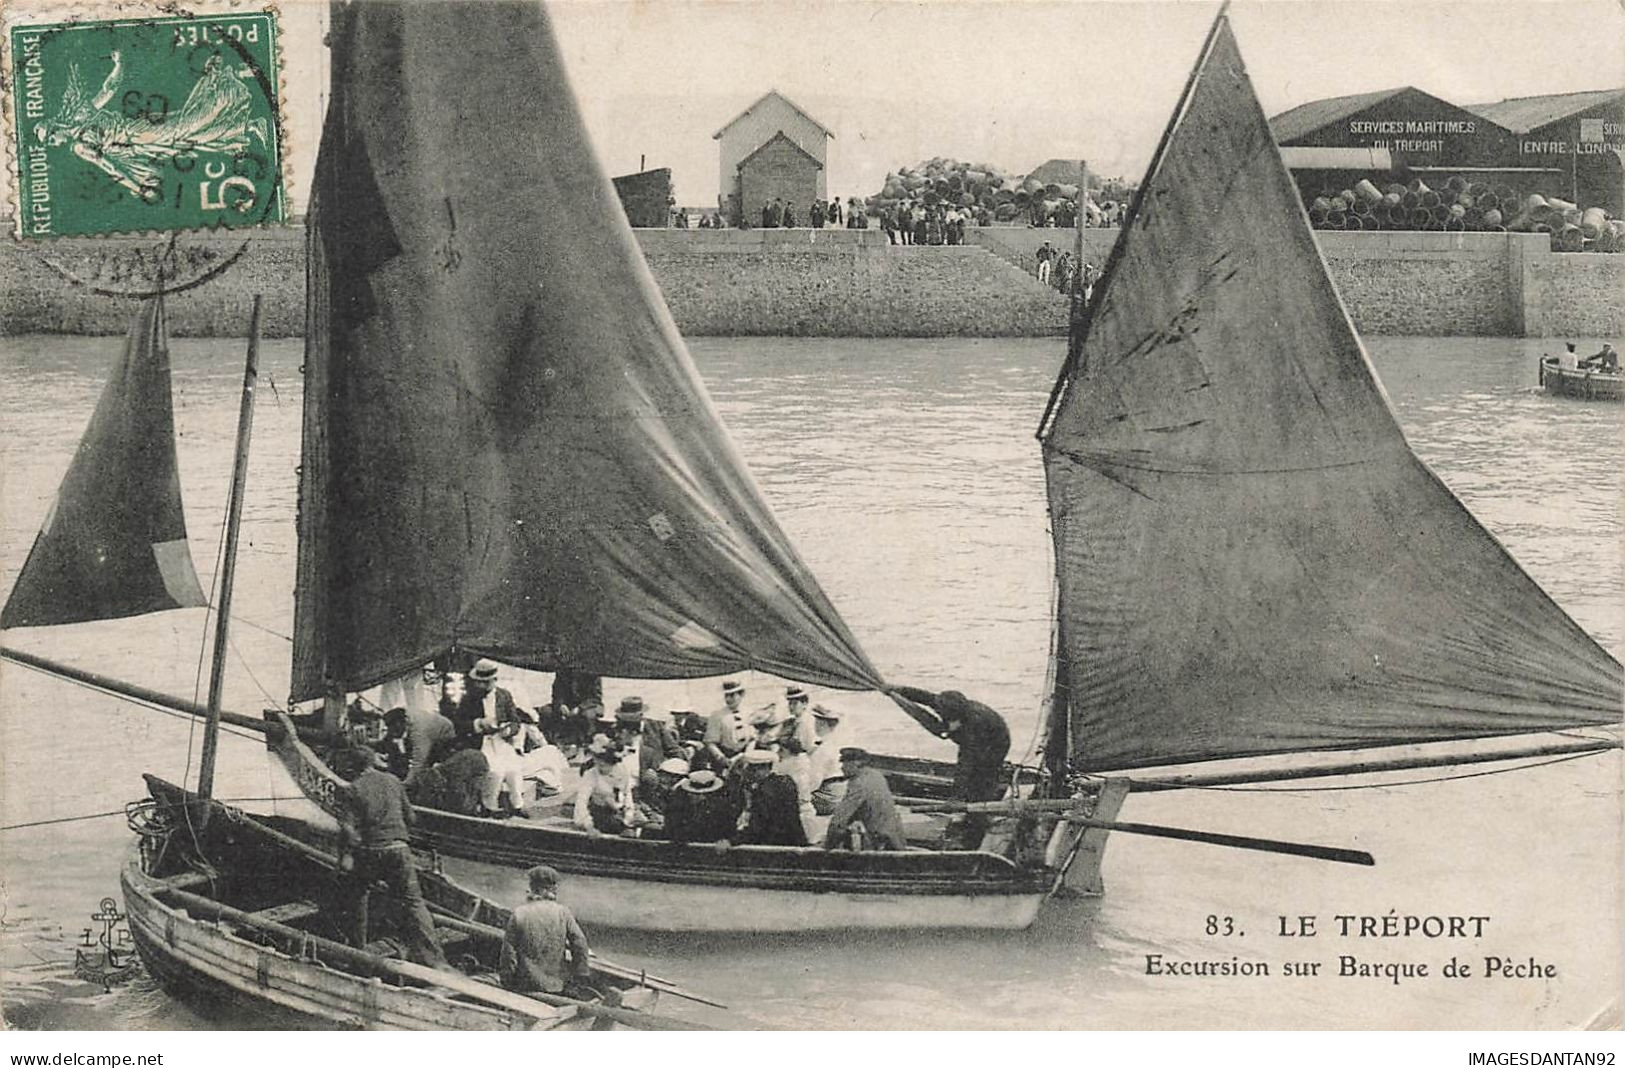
227,909
1582,382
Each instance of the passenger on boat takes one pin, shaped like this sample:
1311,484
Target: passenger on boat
604,798
654,795
428,738
1606,360
866,817
701,810
504,747
824,763
394,746
456,784
645,740
481,698
1568,359
728,729
374,823
983,740
771,814
543,947
689,726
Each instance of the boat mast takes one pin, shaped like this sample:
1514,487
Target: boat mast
234,512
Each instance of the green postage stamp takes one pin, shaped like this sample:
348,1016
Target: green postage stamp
146,124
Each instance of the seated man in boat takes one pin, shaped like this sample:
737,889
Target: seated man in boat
481,698
374,827
504,746
701,810
771,811
983,739
604,797
866,817
689,726
1568,359
644,740
543,947
1607,360
654,795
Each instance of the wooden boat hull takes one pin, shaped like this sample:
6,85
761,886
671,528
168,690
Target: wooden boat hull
208,963
1583,384
651,885
635,904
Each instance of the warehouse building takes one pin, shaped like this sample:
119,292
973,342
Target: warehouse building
771,150
1580,136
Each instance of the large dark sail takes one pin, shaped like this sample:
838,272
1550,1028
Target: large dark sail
1250,558
507,447
114,541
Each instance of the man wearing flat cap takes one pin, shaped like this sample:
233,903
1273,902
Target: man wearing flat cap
983,740
543,948
867,808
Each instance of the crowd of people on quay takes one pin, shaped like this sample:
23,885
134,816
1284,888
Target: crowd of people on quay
781,214
775,774
1059,268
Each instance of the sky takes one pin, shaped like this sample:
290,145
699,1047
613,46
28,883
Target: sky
1006,82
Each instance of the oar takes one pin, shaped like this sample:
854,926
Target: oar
1234,841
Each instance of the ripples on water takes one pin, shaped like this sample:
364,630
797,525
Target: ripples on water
907,475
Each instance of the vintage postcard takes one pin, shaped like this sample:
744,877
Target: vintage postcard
875,516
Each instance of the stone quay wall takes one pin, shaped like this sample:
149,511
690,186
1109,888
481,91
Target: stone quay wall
847,283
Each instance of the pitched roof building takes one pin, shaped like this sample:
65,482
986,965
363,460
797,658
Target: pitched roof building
797,161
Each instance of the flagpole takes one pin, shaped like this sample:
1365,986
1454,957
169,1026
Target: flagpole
234,513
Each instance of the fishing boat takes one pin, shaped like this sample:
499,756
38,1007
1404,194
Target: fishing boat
1585,383
508,453
233,909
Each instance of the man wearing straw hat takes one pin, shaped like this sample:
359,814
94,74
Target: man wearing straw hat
728,729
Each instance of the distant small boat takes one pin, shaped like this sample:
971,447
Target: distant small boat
225,907
1585,383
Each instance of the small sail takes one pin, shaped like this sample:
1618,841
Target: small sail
507,447
114,541
1250,558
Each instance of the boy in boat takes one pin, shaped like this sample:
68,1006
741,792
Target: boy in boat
866,817
373,836
983,740
543,947
604,799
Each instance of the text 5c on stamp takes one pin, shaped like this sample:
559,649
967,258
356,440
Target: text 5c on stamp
146,124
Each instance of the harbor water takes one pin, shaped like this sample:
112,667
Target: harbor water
907,474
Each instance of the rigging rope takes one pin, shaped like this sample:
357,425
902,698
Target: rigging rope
121,811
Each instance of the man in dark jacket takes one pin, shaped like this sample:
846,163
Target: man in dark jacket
771,808
374,826
701,810
983,740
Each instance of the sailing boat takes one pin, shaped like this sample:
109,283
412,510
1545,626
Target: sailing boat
507,452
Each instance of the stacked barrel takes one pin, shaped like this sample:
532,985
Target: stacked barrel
974,186
1460,205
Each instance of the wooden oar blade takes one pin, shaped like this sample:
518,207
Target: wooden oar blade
1336,854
